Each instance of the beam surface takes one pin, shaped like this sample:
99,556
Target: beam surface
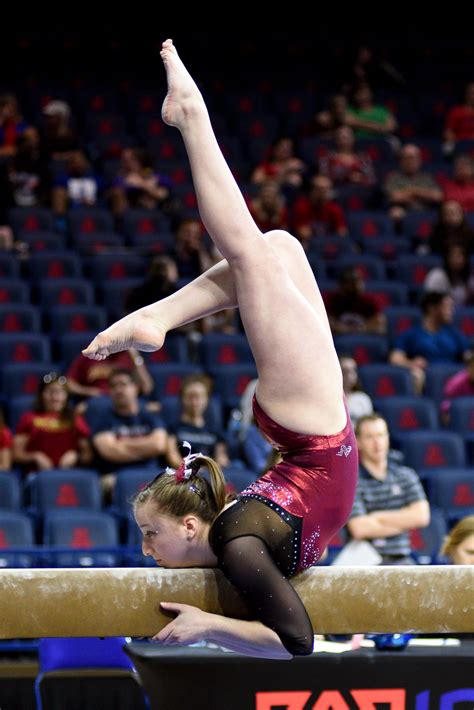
126,601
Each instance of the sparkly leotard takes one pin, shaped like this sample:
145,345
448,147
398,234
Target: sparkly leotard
284,521
315,481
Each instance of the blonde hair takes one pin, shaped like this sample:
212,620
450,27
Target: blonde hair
194,495
457,535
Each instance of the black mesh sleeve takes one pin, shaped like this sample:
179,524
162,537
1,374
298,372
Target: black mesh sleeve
247,563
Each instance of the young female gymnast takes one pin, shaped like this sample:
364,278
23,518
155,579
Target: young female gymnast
282,523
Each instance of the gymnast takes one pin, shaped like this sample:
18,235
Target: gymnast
282,523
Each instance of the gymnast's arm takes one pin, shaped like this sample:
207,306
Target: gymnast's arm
281,627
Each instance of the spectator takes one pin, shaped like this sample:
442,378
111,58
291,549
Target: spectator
12,125
192,427
159,283
459,544
350,309
460,188
190,253
369,119
6,440
268,208
328,121
434,340
318,214
28,177
389,500
79,187
87,378
137,184
257,450
58,140
344,165
358,402
459,385
51,436
282,166
454,276
409,189
460,121
451,227
124,433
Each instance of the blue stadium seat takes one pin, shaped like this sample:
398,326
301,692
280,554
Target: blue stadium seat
412,269
400,319
141,221
128,483
14,291
216,349
238,477
109,267
388,293
18,406
10,494
432,449
19,318
152,243
426,542
168,377
9,266
98,242
464,320
54,265
65,489
16,531
113,296
70,345
82,531
28,220
77,319
369,224
19,379
24,348
386,248
364,348
437,374
407,413
371,267
451,490
175,349
89,220
65,292
230,382
461,420
384,380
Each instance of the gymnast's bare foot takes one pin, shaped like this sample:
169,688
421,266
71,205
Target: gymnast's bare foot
183,98
139,330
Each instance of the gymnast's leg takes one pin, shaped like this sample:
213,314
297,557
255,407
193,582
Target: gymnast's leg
299,376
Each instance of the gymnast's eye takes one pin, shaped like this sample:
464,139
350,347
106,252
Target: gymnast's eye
149,534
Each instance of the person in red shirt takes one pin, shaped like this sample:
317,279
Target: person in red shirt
268,207
460,188
91,379
460,119
317,214
350,309
51,435
6,441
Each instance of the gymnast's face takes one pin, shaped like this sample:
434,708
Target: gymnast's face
169,540
463,554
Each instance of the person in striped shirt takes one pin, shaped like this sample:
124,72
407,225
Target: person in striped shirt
389,500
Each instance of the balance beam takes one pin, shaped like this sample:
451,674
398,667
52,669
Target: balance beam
126,601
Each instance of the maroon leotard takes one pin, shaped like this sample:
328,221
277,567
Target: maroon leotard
315,481
282,523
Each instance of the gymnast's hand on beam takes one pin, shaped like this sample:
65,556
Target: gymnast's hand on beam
190,625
